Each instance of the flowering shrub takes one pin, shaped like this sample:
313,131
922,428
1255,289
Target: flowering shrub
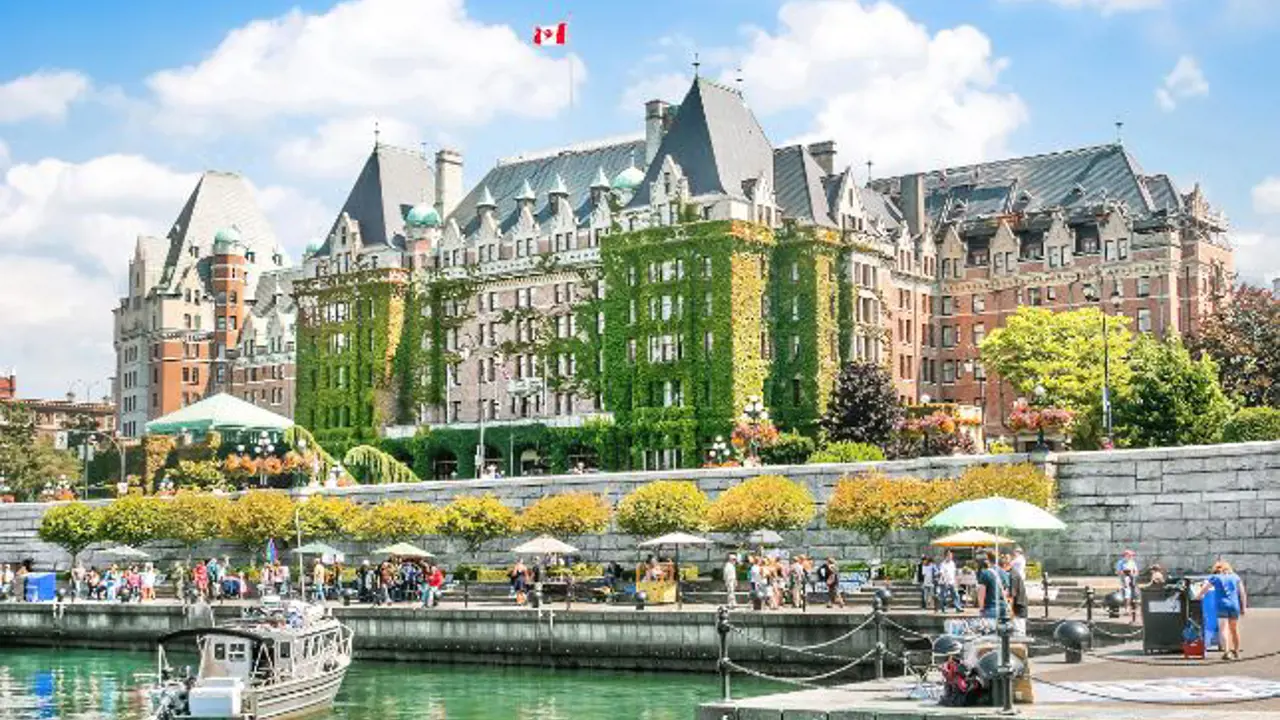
766,502
933,435
753,435
567,514
938,423
874,504
663,506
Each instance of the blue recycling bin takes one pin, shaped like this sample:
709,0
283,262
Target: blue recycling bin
41,587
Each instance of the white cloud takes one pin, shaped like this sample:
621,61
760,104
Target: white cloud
668,86
1257,256
1185,80
881,85
42,95
418,59
337,147
1107,7
4,155
297,218
1266,197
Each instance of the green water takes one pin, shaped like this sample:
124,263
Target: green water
105,685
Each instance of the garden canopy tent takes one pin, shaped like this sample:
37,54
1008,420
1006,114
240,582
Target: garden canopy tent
544,545
220,412
971,538
998,513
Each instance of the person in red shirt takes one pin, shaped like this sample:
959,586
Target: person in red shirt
200,576
435,583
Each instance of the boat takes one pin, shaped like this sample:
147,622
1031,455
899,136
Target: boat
276,661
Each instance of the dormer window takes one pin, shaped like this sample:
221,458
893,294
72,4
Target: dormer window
249,256
195,251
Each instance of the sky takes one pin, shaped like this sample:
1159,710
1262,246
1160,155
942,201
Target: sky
109,111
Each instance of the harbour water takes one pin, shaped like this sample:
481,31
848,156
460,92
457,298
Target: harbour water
110,685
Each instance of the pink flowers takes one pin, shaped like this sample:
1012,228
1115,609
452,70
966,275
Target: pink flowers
1025,418
938,423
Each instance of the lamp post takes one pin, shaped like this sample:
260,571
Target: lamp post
1040,444
754,413
262,448
1106,368
719,450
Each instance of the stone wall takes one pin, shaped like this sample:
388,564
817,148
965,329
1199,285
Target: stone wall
1180,507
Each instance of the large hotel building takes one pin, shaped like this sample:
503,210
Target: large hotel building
656,283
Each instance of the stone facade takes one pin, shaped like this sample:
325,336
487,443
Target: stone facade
1180,507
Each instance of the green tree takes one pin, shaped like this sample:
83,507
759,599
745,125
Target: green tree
71,526
258,516
370,465
873,504
202,474
394,520
1253,424
323,517
1171,399
27,461
476,520
1242,334
663,506
847,452
192,518
567,514
864,405
1063,353
765,502
134,520
788,449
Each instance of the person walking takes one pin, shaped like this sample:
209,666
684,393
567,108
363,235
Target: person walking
519,580
1127,572
1018,565
1231,601
829,574
77,581
179,575
318,580
799,579
200,577
927,576
948,583
1017,596
214,571
434,584
730,573
148,583
756,581
990,588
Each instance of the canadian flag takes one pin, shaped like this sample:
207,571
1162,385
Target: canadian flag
550,34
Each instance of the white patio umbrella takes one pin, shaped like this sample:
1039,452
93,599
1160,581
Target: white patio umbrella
403,549
127,552
676,540
544,545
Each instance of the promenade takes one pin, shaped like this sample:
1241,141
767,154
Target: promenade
1112,683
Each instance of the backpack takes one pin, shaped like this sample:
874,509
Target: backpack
959,687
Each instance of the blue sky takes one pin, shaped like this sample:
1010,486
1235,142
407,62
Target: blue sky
108,110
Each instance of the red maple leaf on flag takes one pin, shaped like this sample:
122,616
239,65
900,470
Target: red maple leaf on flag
551,34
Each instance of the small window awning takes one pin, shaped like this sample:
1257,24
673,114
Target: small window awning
220,412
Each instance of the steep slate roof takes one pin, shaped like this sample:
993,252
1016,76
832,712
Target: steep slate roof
1163,193
392,181
577,166
716,140
220,200
880,206
797,184
1102,172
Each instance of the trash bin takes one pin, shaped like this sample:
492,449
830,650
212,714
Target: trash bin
41,587
1164,615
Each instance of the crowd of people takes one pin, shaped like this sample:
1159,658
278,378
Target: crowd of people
394,580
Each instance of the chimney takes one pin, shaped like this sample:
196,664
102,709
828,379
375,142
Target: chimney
824,153
913,202
655,126
448,180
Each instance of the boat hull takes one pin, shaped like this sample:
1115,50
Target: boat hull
295,698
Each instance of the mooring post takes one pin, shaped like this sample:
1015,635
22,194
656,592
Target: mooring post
1044,579
722,665
1005,682
877,611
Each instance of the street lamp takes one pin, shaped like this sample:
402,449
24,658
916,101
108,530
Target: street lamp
924,399
754,413
719,450
262,448
1040,444
1106,367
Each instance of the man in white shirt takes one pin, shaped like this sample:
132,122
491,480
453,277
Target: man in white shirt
947,583
731,578
1019,563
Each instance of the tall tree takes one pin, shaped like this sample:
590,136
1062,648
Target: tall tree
1171,399
26,461
1242,335
864,405
1062,352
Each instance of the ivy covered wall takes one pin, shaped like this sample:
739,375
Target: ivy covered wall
444,453
807,298
349,331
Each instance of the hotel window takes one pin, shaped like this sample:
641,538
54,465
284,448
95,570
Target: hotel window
948,305
979,303
948,336
1033,296
979,333
1122,249
1144,286
948,371
1144,320
1055,257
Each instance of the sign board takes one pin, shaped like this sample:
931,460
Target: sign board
60,440
524,386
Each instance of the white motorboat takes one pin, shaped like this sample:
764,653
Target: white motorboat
277,661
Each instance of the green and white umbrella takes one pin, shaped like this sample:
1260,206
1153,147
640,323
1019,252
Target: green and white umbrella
316,548
127,552
403,549
996,512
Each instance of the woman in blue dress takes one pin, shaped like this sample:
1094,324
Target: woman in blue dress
1231,600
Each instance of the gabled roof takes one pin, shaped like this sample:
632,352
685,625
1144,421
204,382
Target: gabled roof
576,166
716,140
797,184
220,200
391,182
1164,195
1071,179
880,207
